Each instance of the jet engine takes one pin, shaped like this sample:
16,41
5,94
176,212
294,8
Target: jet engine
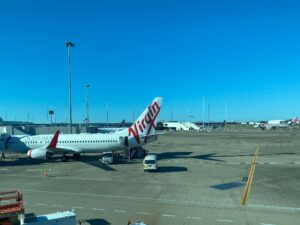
39,153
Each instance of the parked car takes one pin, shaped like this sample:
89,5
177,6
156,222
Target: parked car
107,158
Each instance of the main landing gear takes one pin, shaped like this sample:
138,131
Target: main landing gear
65,158
76,156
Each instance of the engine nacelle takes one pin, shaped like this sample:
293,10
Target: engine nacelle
38,153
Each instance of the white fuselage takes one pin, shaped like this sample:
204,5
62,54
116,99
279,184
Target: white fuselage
76,143
43,146
276,122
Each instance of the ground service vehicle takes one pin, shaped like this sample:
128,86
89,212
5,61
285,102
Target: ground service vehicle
150,163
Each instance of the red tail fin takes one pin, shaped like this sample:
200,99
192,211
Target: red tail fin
295,120
54,140
122,124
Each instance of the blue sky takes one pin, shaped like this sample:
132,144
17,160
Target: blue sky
244,52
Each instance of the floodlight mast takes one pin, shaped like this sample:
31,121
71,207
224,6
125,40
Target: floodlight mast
69,45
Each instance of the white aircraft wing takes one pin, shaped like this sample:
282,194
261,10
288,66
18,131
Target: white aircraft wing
66,149
56,149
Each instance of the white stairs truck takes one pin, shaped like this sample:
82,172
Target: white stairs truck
184,126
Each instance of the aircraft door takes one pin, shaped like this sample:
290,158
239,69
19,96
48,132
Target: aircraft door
124,141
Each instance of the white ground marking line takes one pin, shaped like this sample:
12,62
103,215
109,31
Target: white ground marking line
33,170
4,169
270,185
227,221
143,213
41,204
57,205
167,215
273,163
267,224
97,209
275,207
201,203
77,207
194,218
120,211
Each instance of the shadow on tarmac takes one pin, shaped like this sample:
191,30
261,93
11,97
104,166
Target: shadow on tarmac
171,169
211,156
100,165
92,160
95,222
227,186
174,155
187,155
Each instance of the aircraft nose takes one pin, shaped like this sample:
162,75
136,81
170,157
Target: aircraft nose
29,154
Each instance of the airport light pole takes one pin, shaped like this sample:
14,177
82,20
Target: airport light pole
51,113
87,104
226,112
208,116
106,114
133,117
188,114
69,45
203,111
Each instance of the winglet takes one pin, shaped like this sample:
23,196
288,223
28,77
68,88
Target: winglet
54,140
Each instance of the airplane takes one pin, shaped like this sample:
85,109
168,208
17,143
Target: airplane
140,133
274,124
120,127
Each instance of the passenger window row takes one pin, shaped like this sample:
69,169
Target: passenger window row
68,142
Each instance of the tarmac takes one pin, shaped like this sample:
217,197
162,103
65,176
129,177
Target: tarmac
201,180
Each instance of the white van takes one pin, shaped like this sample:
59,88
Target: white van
107,157
150,163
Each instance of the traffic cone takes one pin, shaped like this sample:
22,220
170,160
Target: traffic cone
46,174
